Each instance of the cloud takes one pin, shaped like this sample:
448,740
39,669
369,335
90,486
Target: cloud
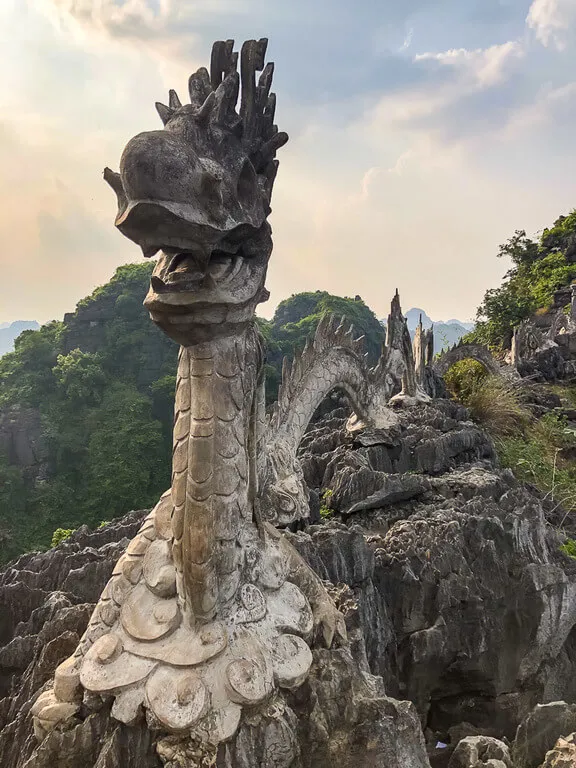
418,130
553,21
481,68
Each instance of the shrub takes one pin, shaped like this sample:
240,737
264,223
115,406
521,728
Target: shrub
494,404
61,534
325,510
464,377
569,548
536,457
492,401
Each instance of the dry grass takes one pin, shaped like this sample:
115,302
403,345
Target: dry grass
494,404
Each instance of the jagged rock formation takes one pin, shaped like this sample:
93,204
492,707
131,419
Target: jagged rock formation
21,441
544,345
445,333
454,592
208,622
334,360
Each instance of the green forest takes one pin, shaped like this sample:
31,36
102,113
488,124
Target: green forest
103,383
100,384
539,268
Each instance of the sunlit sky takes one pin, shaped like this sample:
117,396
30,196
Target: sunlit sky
422,134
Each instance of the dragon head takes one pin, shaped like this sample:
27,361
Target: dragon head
199,192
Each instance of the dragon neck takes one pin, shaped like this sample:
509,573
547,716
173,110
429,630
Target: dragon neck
213,477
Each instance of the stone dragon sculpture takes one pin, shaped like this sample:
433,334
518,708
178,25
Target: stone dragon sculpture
210,609
334,360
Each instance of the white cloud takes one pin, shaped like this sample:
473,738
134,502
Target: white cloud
552,21
551,107
409,176
480,68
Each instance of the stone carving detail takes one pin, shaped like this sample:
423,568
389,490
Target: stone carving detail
209,610
334,359
477,352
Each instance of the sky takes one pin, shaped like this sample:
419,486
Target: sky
422,135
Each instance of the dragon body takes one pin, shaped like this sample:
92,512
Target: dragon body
210,610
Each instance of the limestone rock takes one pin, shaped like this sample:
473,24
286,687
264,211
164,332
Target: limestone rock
457,598
540,730
563,755
479,752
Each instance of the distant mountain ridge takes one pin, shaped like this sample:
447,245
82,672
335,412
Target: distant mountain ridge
9,332
446,332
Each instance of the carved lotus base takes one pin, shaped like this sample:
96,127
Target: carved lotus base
140,650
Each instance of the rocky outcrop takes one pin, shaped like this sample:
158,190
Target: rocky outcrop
480,752
21,443
459,607
563,755
544,345
540,730
47,601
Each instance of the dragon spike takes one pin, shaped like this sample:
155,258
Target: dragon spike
285,369
263,88
199,87
332,325
296,367
174,101
341,328
251,61
265,80
205,111
222,61
269,148
164,112
270,172
358,344
225,101
267,122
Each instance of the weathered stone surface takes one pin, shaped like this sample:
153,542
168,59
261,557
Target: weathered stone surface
464,351
351,723
540,730
563,755
21,441
480,752
458,598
